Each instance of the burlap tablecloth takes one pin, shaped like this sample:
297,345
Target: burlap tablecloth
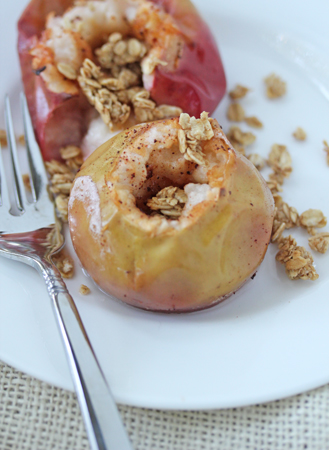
37,416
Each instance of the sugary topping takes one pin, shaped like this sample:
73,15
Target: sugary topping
85,190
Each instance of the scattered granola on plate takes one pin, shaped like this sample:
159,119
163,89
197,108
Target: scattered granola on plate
238,92
235,112
253,122
298,262
84,290
300,134
275,86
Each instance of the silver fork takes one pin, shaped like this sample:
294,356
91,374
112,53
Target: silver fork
25,238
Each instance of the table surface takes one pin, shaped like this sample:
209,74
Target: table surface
37,416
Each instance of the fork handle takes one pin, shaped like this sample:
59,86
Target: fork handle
101,417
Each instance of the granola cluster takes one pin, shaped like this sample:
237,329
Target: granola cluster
169,201
298,262
62,175
192,132
115,96
285,217
119,51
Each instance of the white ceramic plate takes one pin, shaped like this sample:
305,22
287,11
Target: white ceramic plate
268,341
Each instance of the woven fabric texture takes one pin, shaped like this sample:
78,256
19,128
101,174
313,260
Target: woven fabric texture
38,416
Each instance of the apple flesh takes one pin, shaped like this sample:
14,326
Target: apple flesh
159,264
61,114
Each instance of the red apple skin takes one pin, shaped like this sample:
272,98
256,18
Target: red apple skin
61,118
198,82
49,111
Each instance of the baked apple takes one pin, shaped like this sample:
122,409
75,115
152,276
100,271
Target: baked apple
167,216
131,61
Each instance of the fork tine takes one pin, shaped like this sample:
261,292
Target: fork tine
4,196
20,196
39,178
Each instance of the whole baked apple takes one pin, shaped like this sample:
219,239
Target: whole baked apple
131,61
166,216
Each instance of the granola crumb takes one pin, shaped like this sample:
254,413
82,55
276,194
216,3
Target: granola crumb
300,134
3,138
169,201
319,242
235,112
298,262
275,86
326,149
64,264
27,182
257,160
238,92
84,290
236,136
253,121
